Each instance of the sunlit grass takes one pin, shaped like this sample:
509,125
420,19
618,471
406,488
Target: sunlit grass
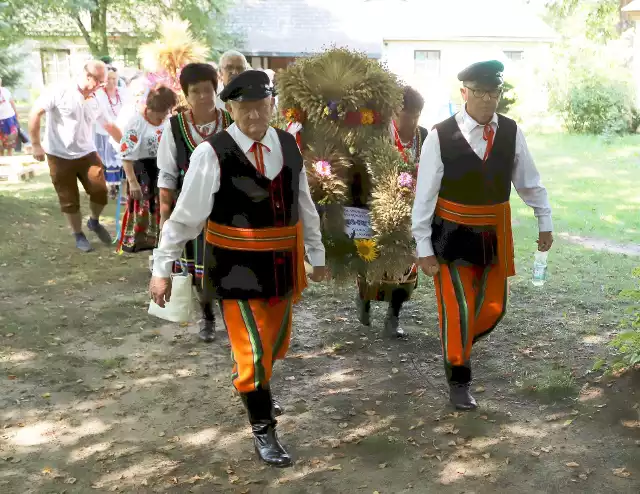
592,183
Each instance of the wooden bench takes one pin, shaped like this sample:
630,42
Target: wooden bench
17,168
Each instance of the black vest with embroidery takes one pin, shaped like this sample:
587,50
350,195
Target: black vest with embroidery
247,199
184,144
469,180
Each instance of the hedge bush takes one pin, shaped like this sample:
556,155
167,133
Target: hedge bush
594,104
627,343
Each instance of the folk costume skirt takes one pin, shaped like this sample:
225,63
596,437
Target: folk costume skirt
140,224
112,165
192,260
8,133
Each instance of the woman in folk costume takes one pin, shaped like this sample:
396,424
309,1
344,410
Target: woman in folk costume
8,121
462,218
181,134
249,182
408,137
138,151
111,99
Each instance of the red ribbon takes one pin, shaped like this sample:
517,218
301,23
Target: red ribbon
488,134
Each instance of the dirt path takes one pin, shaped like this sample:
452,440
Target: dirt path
97,397
601,245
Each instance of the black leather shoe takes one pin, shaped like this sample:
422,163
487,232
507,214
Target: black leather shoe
207,331
268,446
364,308
260,409
460,396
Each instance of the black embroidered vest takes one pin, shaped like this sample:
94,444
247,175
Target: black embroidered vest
185,144
470,181
247,199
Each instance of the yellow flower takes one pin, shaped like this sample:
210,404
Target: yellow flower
367,117
367,249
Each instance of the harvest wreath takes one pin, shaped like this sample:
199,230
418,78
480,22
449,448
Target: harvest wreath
341,104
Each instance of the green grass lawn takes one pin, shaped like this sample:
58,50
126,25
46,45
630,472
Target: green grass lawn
594,186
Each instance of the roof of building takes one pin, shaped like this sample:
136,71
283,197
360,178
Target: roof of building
299,27
632,6
465,19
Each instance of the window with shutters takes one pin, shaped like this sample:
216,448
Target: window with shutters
514,56
56,65
427,63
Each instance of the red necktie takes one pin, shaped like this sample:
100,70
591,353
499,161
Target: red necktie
256,149
487,134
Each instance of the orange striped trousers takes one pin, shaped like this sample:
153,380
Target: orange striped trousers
259,331
471,302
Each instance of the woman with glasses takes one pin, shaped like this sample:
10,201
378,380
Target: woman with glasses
138,152
462,218
181,134
111,99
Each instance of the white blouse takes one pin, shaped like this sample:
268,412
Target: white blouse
168,154
110,106
140,139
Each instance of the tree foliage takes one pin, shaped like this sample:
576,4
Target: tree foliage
599,20
99,22
9,56
508,98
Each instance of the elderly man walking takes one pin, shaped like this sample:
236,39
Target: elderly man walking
462,218
248,185
232,63
72,110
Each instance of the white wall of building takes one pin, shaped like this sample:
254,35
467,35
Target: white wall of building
62,61
438,82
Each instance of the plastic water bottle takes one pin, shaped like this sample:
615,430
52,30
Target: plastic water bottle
539,268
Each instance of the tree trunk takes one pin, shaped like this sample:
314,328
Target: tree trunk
99,29
105,37
86,35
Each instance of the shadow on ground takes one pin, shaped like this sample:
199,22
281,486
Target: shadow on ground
97,397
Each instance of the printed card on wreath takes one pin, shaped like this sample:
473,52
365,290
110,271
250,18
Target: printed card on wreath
357,223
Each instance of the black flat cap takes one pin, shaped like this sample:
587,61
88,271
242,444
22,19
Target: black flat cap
250,85
487,73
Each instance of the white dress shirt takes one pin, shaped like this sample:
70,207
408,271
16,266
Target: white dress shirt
525,178
169,172
70,121
202,181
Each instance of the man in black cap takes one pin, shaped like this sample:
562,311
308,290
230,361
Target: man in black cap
249,182
462,220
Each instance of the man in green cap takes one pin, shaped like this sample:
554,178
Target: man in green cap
462,220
